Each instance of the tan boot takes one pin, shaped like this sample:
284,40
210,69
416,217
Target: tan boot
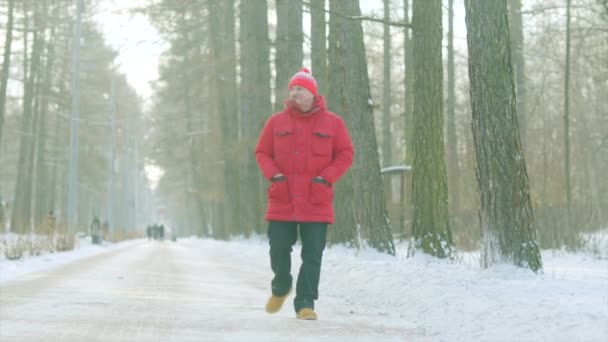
275,303
307,314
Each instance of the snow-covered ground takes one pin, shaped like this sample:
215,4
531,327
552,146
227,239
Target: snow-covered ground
446,300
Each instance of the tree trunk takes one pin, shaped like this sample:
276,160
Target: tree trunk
196,186
6,63
517,53
22,208
224,61
41,195
409,87
288,47
255,107
387,138
230,115
431,230
360,201
506,215
318,42
452,143
567,118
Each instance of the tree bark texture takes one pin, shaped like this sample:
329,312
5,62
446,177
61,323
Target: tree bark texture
363,207
387,139
409,87
431,230
506,215
519,64
318,42
222,31
255,106
288,47
452,138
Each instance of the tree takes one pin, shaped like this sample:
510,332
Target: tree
452,141
360,202
42,188
318,42
567,117
22,208
255,105
517,53
409,86
387,139
223,42
288,52
6,61
506,215
430,227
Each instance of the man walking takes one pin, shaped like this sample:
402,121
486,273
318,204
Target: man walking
303,151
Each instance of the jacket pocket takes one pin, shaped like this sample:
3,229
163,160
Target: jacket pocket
283,140
278,191
322,143
321,193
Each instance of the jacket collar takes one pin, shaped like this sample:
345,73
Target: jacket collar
318,106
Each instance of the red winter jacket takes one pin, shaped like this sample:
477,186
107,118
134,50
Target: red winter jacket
303,146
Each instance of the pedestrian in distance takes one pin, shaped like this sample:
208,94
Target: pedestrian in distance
302,151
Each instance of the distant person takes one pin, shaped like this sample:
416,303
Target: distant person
303,151
95,230
149,232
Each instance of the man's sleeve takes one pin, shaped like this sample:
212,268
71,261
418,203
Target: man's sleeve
343,152
264,152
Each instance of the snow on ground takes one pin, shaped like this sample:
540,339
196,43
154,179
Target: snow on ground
83,248
448,300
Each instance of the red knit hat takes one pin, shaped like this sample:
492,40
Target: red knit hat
304,79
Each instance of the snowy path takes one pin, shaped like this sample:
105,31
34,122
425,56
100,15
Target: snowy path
154,291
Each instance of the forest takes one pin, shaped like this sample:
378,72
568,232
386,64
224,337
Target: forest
477,124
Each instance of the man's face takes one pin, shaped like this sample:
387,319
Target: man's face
302,96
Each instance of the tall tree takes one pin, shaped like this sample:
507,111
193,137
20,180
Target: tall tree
255,105
6,61
387,139
409,86
567,117
222,35
452,141
517,52
41,176
22,208
431,229
289,51
506,215
360,201
318,44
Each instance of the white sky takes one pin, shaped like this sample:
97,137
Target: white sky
363,292
137,41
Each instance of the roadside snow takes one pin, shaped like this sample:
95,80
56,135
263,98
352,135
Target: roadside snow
449,301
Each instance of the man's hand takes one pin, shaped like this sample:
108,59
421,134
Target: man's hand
278,177
320,179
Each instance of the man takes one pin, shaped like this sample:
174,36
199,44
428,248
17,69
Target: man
95,230
303,151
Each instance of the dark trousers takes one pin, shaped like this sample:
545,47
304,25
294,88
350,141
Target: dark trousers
282,236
